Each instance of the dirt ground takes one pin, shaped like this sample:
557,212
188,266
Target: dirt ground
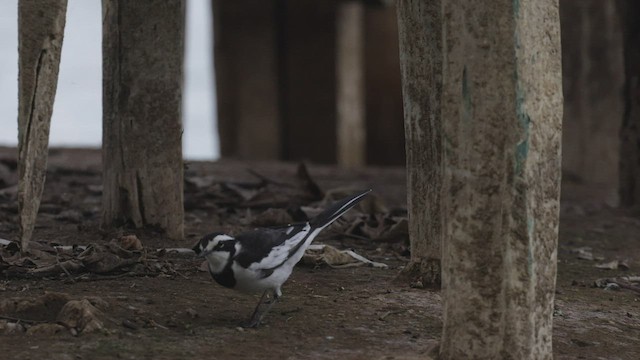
325,313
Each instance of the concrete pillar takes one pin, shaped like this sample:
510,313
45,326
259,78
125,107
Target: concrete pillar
501,111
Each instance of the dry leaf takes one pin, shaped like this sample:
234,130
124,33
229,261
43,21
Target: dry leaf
45,329
324,254
130,242
611,265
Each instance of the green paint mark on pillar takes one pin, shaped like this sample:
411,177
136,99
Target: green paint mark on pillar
530,227
467,113
522,148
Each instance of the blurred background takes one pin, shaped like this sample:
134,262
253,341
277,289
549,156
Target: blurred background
319,81
77,113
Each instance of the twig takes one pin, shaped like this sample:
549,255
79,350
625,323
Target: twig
354,236
266,179
155,324
64,268
96,277
18,320
627,286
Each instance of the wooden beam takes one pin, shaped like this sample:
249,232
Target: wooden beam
383,89
245,52
40,34
143,44
350,98
630,132
593,72
308,80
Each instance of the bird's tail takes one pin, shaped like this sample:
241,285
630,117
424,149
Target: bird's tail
336,210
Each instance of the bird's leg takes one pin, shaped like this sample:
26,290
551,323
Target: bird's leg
257,315
252,322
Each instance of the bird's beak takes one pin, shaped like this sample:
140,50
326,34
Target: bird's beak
204,253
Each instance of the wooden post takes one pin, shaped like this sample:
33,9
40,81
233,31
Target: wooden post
501,111
630,132
350,98
246,68
593,72
420,33
308,79
40,33
143,45
383,89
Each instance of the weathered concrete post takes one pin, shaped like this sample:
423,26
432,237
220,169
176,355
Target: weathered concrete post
420,32
501,111
40,33
143,45
498,141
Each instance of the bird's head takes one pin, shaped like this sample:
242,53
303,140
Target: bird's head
217,248
214,242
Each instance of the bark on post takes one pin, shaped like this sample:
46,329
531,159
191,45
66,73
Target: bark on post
350,98
501,111
420,32
40,33
143,45
630,132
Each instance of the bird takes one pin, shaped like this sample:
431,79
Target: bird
262,259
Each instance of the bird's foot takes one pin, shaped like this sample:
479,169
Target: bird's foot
250,324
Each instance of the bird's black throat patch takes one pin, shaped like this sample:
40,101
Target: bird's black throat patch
225,278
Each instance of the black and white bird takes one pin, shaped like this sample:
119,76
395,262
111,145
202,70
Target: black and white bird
261,260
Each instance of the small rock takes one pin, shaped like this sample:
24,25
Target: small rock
192,313
329,337
601,283
7,327
612,286
582,343
130,324
583,253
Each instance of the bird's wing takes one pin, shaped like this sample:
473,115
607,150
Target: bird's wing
264,249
